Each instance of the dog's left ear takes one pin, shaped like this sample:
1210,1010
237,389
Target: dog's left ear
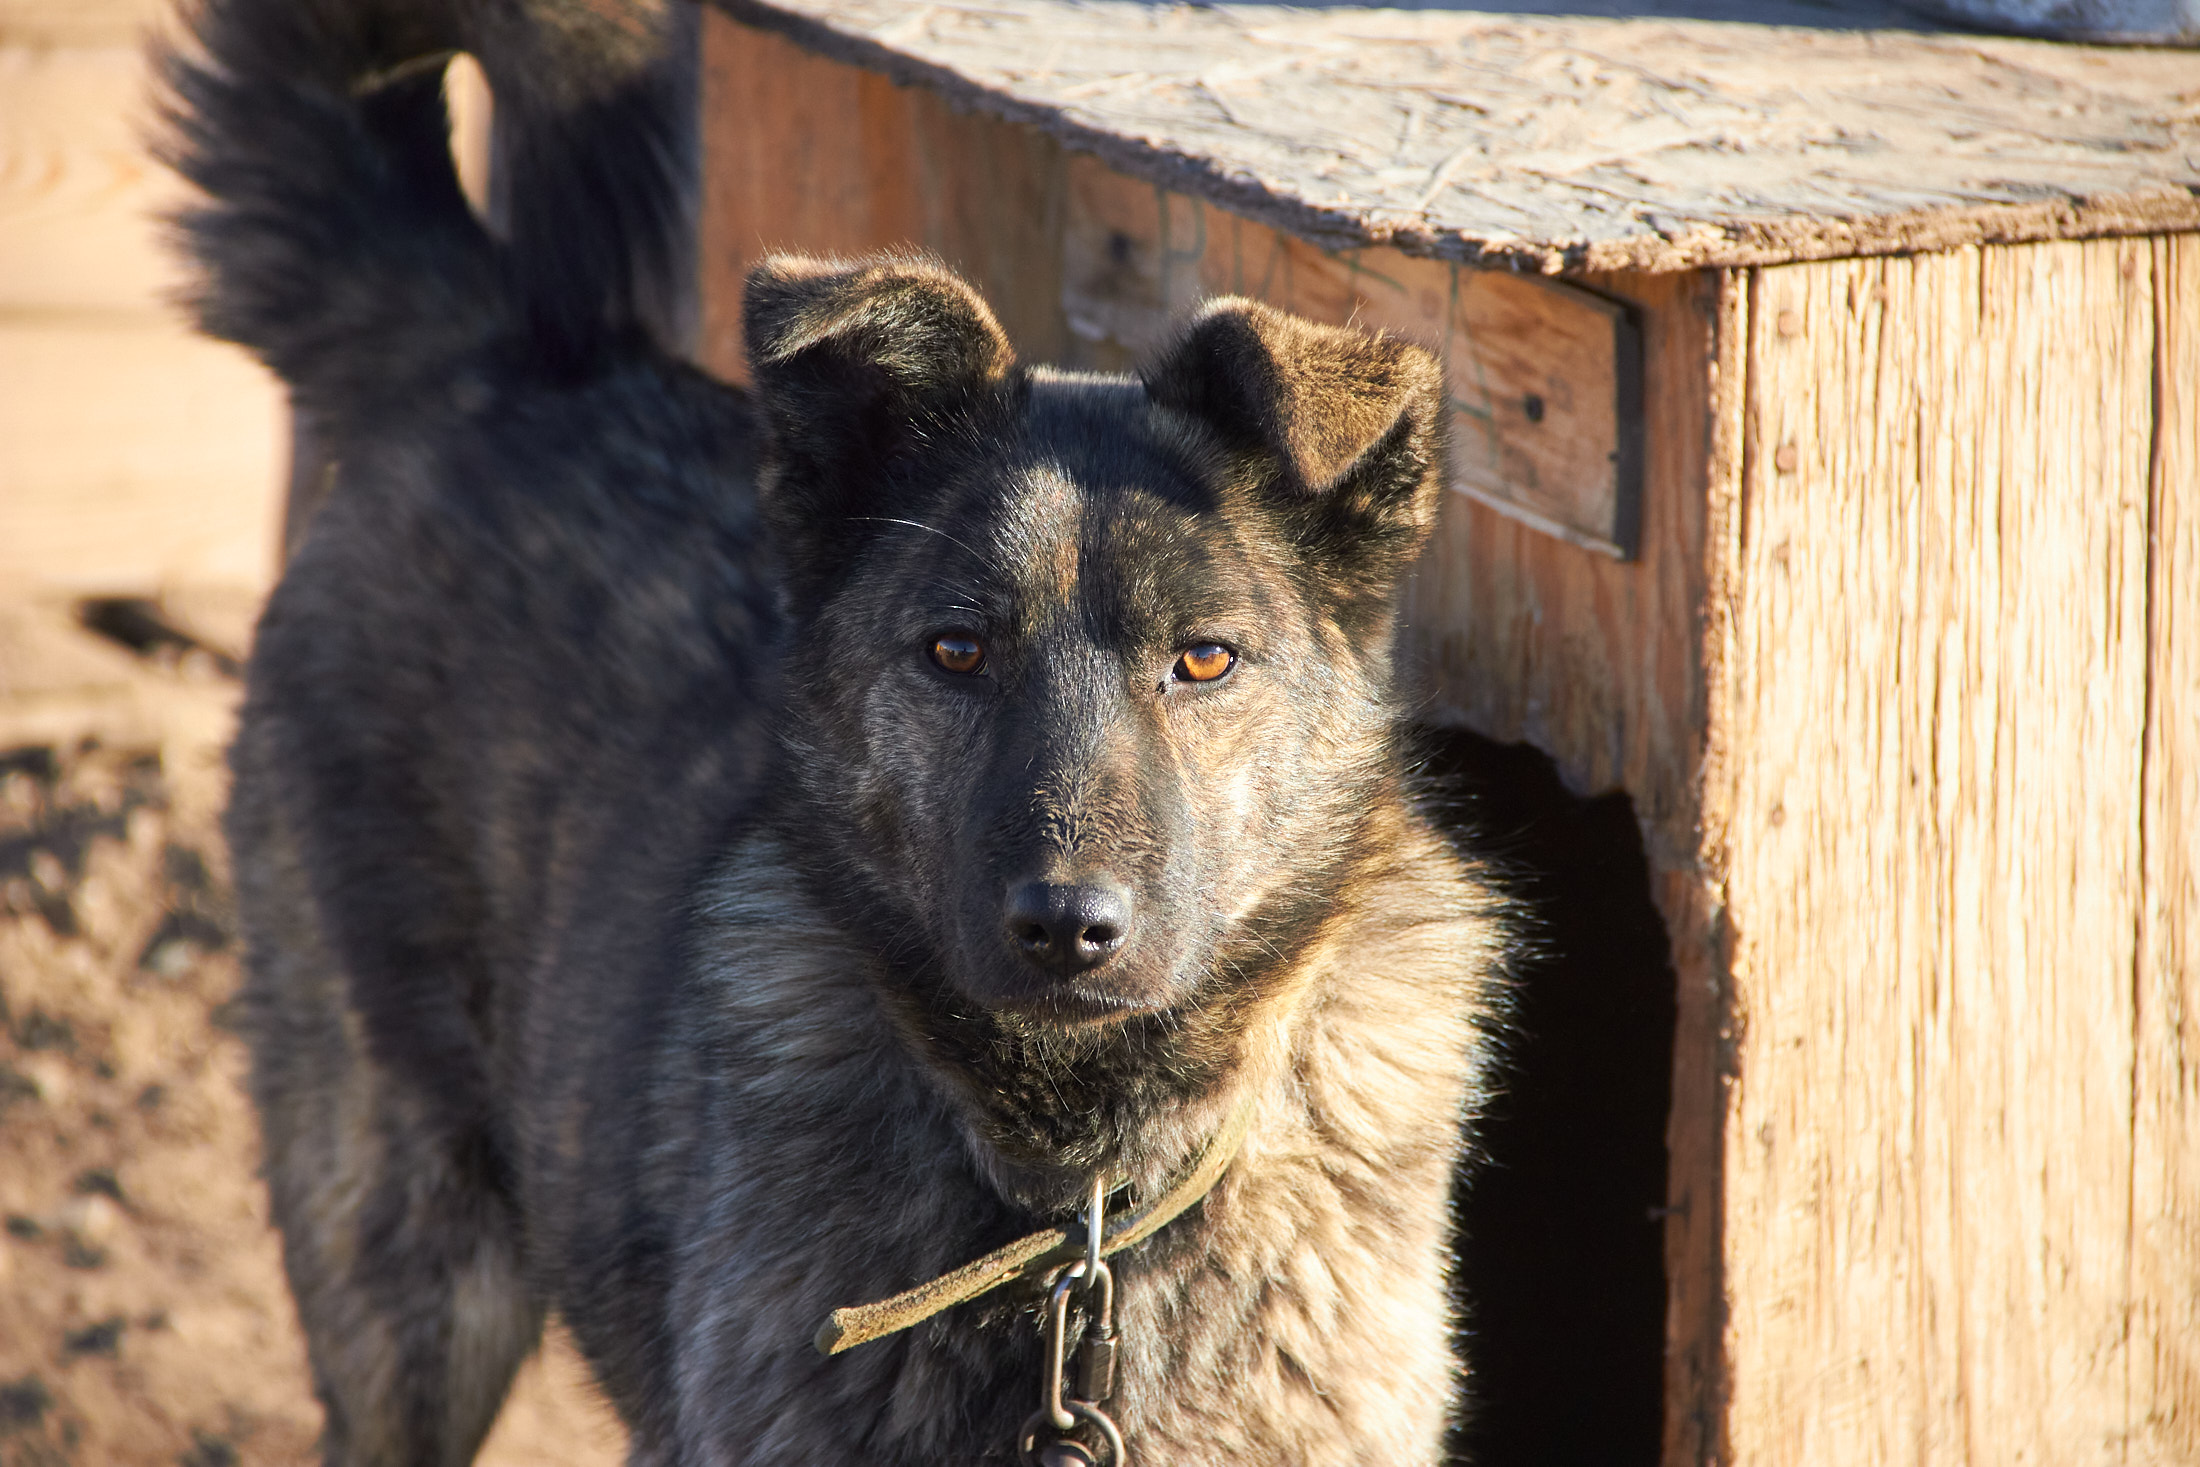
856,364
1348,425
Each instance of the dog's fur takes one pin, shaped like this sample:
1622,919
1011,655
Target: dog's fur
623,885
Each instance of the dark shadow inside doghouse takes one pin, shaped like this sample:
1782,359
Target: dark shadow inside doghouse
1561,1277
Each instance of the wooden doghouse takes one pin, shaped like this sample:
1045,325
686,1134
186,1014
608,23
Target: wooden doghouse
1828,453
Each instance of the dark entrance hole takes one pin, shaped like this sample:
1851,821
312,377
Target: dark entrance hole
1561,1274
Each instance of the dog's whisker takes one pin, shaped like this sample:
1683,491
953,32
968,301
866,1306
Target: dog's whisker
978,555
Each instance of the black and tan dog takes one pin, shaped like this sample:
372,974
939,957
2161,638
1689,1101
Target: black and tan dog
709,858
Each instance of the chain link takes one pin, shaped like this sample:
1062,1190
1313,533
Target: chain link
1059,1414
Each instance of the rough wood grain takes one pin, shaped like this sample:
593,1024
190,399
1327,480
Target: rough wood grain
1933,863
1693,898
1545,378
1564,144
2165,1198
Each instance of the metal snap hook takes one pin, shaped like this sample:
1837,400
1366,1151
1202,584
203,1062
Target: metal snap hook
1058,1414
1030,1448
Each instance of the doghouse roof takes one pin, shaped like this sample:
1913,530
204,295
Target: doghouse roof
1568,143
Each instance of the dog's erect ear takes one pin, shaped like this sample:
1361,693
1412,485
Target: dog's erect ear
855,362
1349,425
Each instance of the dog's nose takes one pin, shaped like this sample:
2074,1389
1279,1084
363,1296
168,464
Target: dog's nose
1068,929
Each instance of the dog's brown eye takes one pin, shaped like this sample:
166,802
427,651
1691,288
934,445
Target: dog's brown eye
959,654
1205,662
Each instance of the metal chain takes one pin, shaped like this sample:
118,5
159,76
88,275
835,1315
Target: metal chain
1058,1415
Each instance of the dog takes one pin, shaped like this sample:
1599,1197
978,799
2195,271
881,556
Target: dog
710,858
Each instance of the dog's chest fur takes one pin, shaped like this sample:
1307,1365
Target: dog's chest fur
1298,1315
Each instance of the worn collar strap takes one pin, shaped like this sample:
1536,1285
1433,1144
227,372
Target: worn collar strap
1033,1256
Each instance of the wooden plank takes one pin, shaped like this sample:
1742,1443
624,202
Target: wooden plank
1568,142
1695,1359
78,193
786,168
1593,660
2165,1365
1933,884
1545,378
79,22
807,154
1693,899
133,457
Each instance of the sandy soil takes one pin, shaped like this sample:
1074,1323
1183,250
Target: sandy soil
143,1316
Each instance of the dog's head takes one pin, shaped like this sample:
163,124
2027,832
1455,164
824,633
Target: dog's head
1090,676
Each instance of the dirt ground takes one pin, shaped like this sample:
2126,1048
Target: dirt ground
143,1316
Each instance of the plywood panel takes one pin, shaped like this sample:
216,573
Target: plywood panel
2165,1202
1938,696
134,456
1544,377
806,154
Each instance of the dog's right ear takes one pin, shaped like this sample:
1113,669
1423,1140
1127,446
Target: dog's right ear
855,364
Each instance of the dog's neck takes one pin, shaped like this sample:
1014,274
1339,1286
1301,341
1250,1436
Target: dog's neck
1042,1107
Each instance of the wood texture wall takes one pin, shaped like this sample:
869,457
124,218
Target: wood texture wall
1955,820
850,162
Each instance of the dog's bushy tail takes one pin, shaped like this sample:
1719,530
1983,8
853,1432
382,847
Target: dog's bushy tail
333,238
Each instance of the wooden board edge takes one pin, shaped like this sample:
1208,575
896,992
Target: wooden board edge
2165,1388
1704,1041
1629,431
1520,514
1624,543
